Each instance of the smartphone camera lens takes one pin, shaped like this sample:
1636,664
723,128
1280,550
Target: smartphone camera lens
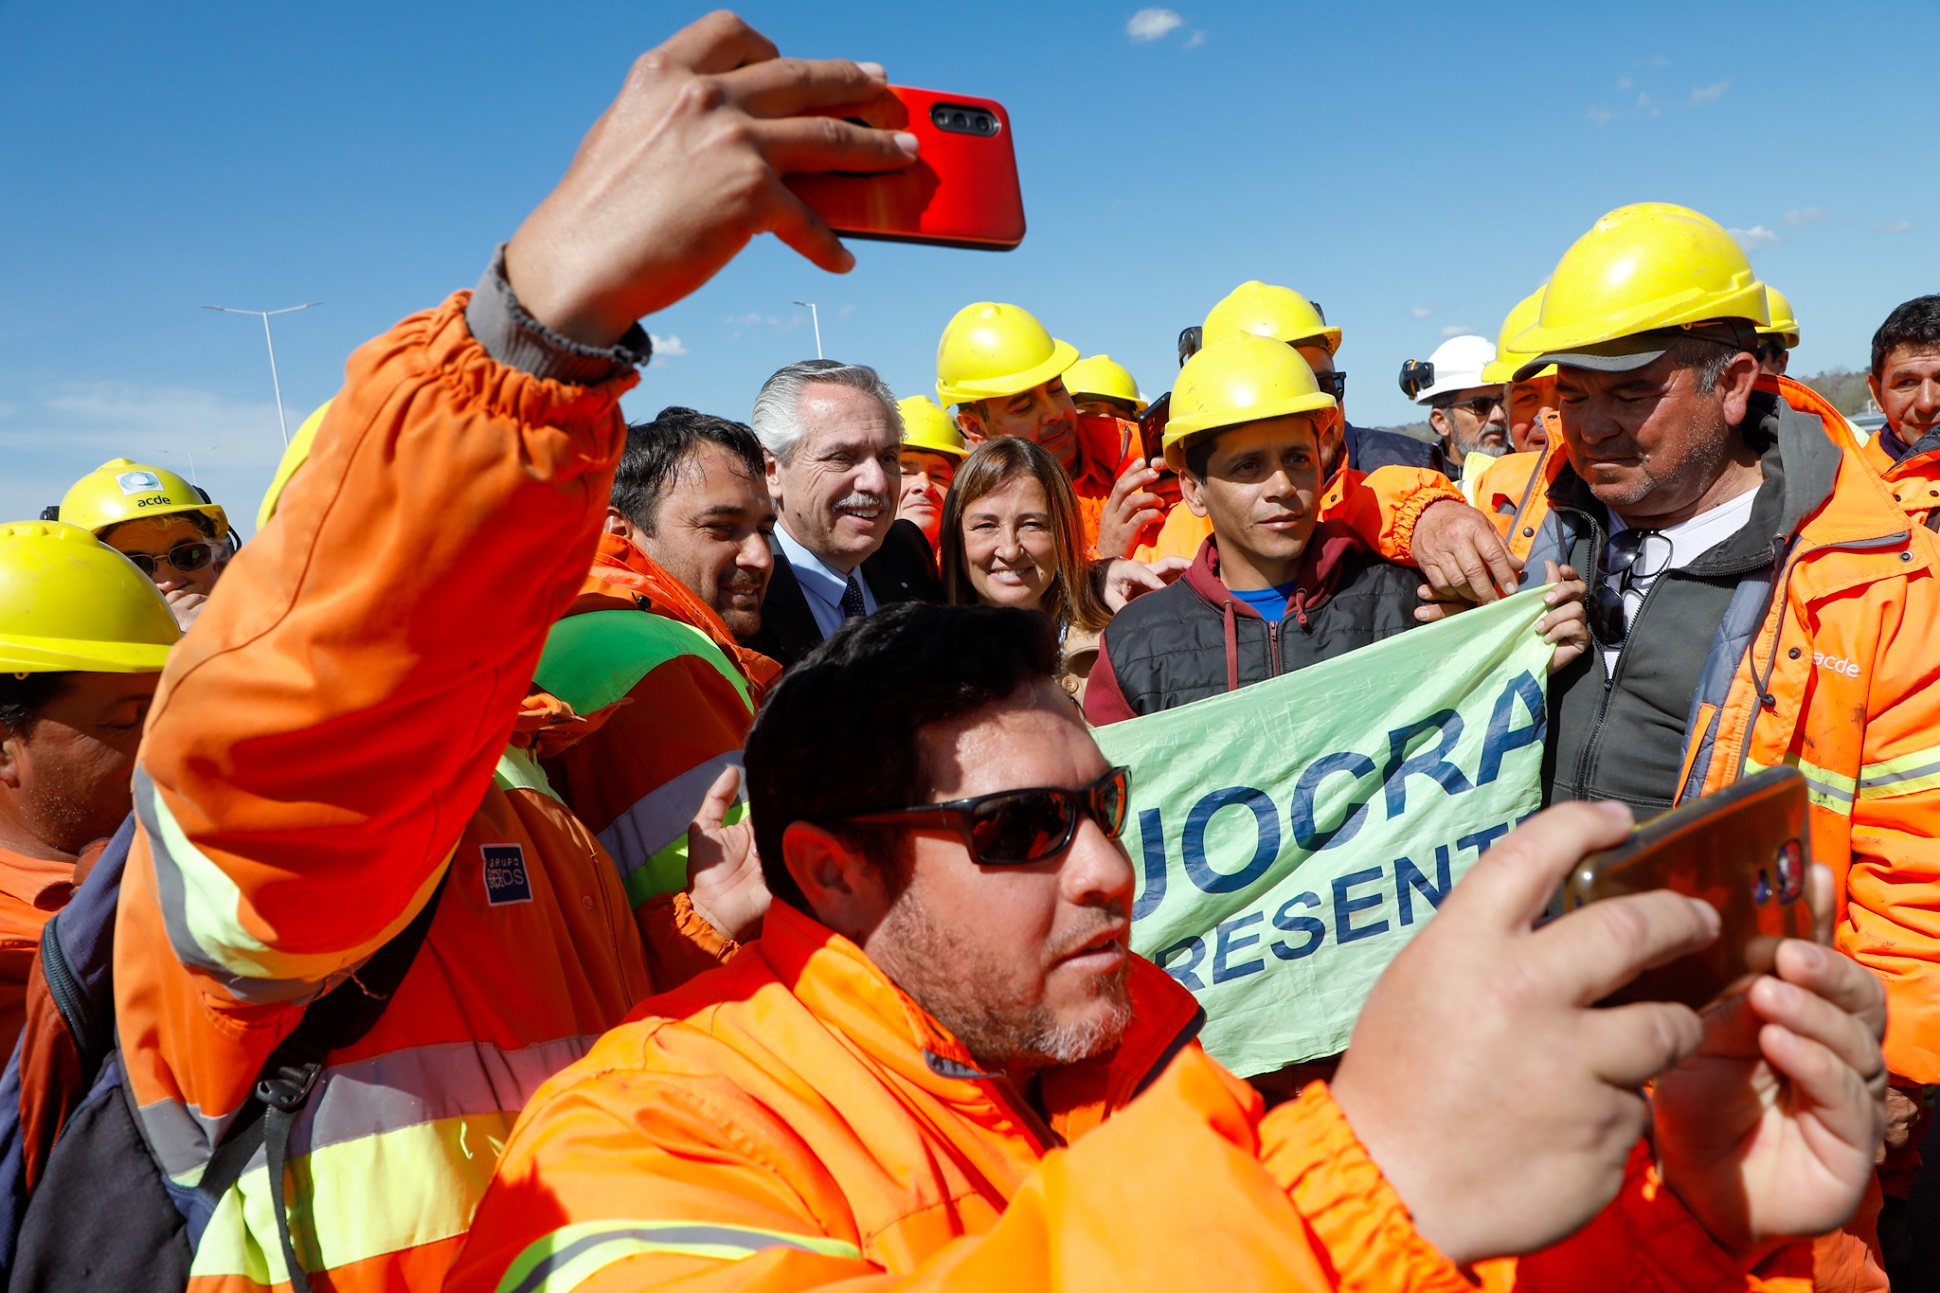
960,120
1761,892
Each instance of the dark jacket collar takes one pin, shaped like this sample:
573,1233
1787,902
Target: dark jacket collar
1320,572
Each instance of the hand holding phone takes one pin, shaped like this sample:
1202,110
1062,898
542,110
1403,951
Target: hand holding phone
1745,850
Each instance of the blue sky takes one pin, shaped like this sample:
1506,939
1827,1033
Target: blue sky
1416,169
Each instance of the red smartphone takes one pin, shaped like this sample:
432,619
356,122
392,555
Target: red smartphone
1744,849
961,191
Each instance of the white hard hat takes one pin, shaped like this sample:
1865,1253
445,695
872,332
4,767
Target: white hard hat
1456,365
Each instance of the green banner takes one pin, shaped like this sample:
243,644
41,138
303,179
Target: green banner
1293,835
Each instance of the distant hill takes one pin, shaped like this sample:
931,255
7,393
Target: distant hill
1416,430
1844,389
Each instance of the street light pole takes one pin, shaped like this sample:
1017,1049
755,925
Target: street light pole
275,381
815,317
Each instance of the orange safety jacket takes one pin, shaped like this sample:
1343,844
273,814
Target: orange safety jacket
31,890
685,692
795,1121
1380,506
1914,479
1108,447
1831,668
333,737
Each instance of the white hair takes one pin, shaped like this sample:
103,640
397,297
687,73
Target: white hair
777,420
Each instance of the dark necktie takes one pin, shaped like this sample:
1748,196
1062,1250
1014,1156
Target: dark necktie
852,599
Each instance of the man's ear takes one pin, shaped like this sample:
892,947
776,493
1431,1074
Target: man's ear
616,523
970,424
1734,386
1872,384
10,740
844,889
1439,419
1189,489
774,475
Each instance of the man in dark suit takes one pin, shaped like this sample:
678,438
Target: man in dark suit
832,437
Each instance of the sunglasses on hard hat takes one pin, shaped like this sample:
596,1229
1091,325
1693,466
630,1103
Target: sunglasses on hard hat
185,557
1015,827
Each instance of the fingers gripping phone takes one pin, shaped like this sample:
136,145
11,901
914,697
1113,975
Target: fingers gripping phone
961,191
1744,850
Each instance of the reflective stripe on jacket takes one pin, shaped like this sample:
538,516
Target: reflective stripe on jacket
318,755
794,1121
1836,674
686,693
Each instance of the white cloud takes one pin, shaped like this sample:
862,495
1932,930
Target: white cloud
1458,330
1755,237
845,312
747,320
1658,60
668,347
1804,216
1151,24
1709,93
1646,106
1899,226
1193,41
1422,311
1626,84
1601,116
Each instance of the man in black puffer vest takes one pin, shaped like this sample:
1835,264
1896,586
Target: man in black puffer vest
1272,590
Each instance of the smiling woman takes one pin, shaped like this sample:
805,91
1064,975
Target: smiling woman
1012,536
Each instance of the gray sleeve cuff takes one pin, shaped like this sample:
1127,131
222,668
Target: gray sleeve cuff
518,340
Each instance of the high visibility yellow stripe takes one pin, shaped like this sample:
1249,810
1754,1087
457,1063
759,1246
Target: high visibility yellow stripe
360,1199
1824,788
666,870
569,1256
1907,775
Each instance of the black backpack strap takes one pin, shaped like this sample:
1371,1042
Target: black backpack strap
338,1019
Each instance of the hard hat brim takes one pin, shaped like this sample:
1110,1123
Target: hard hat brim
1181,432
1505,370
1063,355
24,653
958,452
1639,350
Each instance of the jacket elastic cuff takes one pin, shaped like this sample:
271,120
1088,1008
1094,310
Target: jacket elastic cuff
1406,516
1339,1191
517,340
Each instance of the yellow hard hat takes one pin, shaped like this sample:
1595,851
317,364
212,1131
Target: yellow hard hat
1101,377
925,426
295,454
1242,379
1268,311
1642,269
1784,325
70,602
1503,367
125,490
989,351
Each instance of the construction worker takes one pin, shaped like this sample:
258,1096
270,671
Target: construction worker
351,737
83,635
168,527
1905,382
1531,403
1275,588
1784,605
1778,339
686,542
1005,375
933,449
1466,412
1102,386
940,1066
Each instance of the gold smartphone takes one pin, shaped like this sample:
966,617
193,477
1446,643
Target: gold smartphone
1744,850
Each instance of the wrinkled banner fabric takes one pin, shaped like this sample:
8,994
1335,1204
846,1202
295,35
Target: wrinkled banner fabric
1293,835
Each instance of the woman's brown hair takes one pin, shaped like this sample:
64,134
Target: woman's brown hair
1072,599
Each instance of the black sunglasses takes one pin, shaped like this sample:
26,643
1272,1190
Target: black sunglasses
1479,407
185,557
1013,827
1334,383
1622,559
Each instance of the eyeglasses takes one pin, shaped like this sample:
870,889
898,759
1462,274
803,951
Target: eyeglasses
1334,383
185,557
1626,559
1479,407
1015,827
